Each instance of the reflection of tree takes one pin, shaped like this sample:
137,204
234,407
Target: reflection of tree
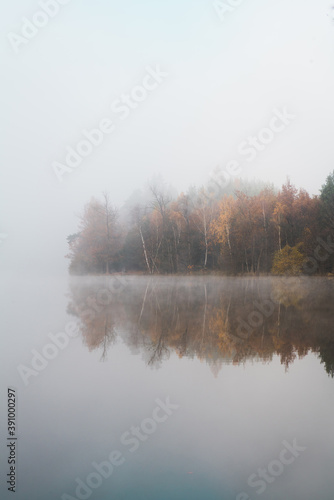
200,317
289,292
99,331
97,323
327,357
158,348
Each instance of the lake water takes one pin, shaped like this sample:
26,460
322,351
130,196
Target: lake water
138,388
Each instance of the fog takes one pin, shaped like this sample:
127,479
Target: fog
222,80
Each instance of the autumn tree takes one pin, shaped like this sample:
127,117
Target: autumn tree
95,246
182,214
327,199
222,224
326,219
202,214
139,219
289,260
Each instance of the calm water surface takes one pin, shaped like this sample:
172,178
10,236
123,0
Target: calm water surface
136,388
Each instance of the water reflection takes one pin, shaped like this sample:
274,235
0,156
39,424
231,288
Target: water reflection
219,320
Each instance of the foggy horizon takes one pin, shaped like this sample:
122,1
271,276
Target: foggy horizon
222,80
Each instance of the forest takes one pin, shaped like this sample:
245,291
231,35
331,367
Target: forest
234,230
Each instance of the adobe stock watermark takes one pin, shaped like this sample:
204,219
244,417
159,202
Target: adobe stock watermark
50,351
250,148
98,301
122,109
255,319
59,341
31,27
131,439
226,7
321,254
265,476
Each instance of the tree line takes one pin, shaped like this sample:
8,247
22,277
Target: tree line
212,228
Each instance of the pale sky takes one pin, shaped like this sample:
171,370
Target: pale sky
225,78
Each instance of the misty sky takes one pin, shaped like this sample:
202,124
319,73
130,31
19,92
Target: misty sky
225,78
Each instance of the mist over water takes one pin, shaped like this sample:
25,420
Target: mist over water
107,348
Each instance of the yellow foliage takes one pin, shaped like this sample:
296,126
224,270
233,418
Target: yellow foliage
289,260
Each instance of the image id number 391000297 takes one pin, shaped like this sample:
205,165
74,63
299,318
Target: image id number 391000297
12,441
